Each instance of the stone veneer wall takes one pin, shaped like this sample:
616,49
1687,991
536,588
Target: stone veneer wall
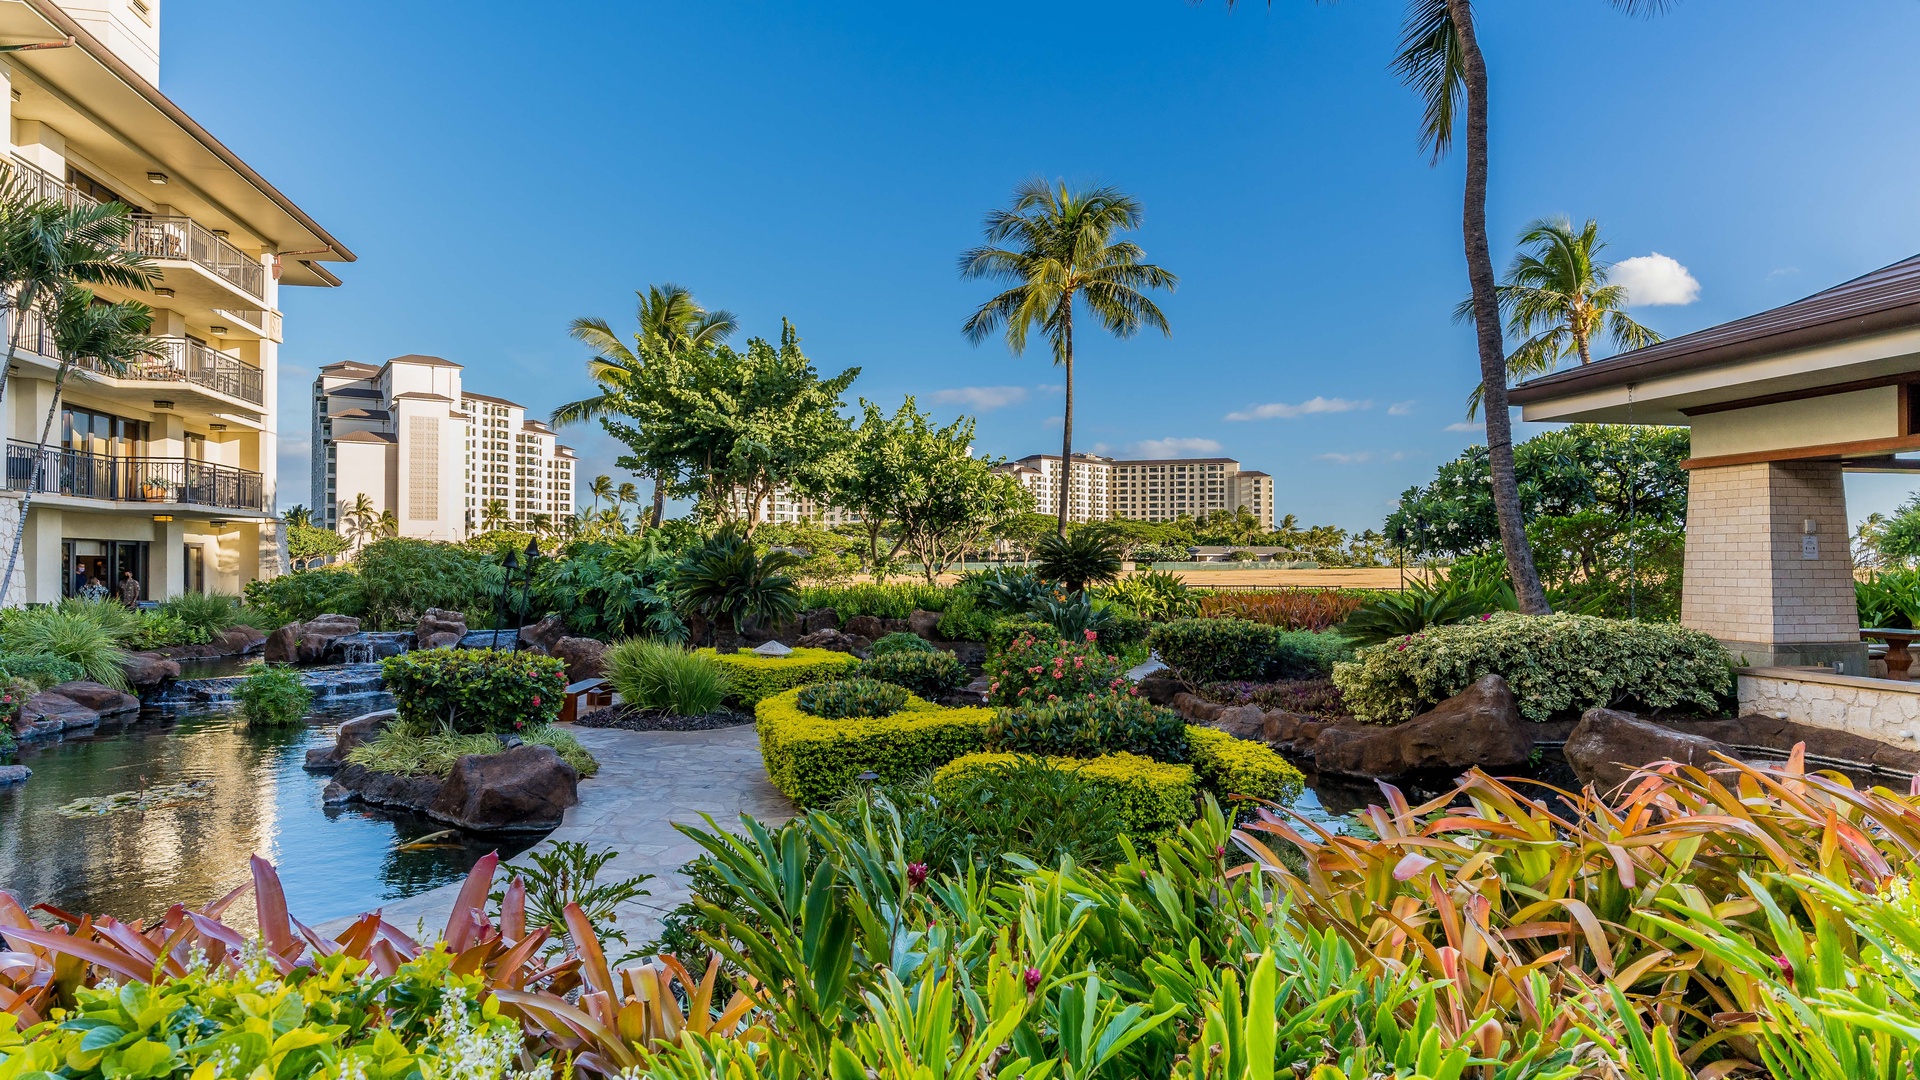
1747,580
10,521
1878,709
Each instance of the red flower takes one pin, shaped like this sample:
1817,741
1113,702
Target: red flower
916,874
1091,636
536,701
1033,979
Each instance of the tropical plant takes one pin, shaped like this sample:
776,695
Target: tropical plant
566,876
667,676
1155,595
1557,300
361,518
667,314
1443,600
1889,599
409,747
1063,249
272,695
308,546
1087,556
902,642
1090,726
600,487
493,515
37,670
1028,807
475,690
1199,651
1050,667
1008,590
854,697
612,587
210,613
931,674
304,594
68,635
725,582
400,578
1290,609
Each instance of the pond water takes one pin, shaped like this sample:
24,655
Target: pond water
218,667
333,861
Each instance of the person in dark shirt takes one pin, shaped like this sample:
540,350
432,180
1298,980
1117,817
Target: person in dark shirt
129,589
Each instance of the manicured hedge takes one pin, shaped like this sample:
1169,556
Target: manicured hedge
1229,766
812,760
1230,650
1150,797
928,674
894,601
475,690
1555,664
752,678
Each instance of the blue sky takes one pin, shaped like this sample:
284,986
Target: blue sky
506,169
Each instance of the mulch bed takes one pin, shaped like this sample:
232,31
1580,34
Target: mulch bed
634,718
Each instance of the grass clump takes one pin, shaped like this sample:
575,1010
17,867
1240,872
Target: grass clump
273,696
662,675
73,634
207,613
406,750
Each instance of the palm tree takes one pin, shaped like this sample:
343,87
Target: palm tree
600,488
667,313
1556,298
1063,249
387,526
297,514
493,514
1440,59
628,493
360,519
46,245
112,335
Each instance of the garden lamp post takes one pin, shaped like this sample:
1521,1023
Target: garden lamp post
500,609
526,589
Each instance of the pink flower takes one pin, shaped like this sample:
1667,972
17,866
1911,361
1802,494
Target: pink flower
1033,979
1091,636
916,874
1023,692
536,701
1053,697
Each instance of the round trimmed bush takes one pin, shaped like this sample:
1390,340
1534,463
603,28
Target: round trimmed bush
902,642
852,697
928,674
1091,726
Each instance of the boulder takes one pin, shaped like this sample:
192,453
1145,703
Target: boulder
383,789
1480,726
49,713
146,670
1159,688
309,642
835,640
238,640
586,658
103,700
1290,731
545,634
355,732
866,626
1197,709
814,620
1607,746
14,774
1242,722
439,629
925,623
527,787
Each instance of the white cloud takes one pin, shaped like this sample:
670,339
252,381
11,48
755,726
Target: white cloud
1174,448
983,398
1361,457
1401,408
1280,410
1656,279
1465,425
1054,421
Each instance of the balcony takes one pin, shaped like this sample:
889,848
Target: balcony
173,238
173,481
180,360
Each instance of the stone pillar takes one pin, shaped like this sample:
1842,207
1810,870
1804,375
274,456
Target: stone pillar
1773,592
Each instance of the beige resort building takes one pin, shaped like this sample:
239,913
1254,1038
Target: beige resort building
412,439
166,470
1155,489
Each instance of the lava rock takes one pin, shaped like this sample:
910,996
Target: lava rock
814,620
586,658
924,623
14,774
1159,688
1242,722
1479,727
146,670
545,634
836,640
48,713
387,789
1197,709
866,626
1292,732
103,700
439,629
239,641
1607,746
356,732
527,787
309,642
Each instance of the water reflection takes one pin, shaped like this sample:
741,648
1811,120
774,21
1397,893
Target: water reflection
333,861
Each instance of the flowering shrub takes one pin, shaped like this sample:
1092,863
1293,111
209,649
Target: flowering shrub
1555,664
475,690
1046,668
1102,722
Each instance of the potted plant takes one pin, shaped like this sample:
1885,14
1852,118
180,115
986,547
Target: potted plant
157,488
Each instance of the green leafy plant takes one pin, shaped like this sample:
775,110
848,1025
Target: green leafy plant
1085,556
1028,807
1155,595
1007,590
402,577
1446,600
752,678
891,601
1201,651
727,582
964,620
305,594
856,697
406,749
73,635
902,642
928,674
1889,599
158,629
1151,798
1556,664
38,670
1289,609
1044,667
813,761
565,874
661,675
272,695
208,613
1089,726
475,690
612,588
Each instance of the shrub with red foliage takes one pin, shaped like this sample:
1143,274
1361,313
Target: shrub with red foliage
1290,609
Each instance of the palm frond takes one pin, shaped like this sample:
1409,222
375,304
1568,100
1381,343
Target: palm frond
1432,63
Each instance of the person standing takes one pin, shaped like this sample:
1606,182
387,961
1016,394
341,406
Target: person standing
129,589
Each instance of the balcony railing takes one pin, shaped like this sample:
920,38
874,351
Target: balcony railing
134,479
179,360
162,237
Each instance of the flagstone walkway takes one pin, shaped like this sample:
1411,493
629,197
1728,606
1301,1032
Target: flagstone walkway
647,781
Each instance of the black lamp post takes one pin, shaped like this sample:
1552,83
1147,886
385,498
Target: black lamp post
526,590
506,587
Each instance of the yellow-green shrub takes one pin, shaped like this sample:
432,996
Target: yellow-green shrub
1229,766
812,760
753,678
1151,797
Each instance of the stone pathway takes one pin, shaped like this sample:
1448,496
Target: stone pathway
647,781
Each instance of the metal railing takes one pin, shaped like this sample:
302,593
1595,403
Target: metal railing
134,479
161,237
179,360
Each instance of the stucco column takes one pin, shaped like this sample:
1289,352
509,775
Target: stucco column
1768,568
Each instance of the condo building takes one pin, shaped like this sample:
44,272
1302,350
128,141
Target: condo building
164,470
1159,489
446,461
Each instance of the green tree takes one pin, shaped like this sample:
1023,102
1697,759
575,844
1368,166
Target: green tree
665,313
112,335
875,480
1557,300
297,514
493,514
601,487
947,501
1895,540
360,518
732,428
1063,248
308,546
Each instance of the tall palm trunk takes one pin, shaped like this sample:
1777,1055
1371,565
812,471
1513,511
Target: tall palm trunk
1486,320
659,501
1066,426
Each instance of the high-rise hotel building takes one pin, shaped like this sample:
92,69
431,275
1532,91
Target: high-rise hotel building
1157,489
